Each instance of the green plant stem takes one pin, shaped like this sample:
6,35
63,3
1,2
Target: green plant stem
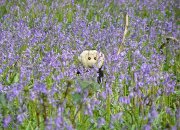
108,107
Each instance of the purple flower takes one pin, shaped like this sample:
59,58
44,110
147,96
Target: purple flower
125,100
40,87
108,88
14,91
153,33
2,2
146,68
6,121
23,30
21,117
153,113
49,124
147,127
1,70
174,128
178,114
59,122
101,121
117,116
103,95
68,126
33,95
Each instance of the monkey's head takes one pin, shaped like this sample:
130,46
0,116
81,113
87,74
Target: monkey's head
90,58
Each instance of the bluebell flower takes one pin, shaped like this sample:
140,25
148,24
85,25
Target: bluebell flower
21,117
124,100
59,122
147,127
101,121
6,121
40,88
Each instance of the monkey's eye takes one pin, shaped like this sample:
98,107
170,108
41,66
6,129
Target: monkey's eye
89,58
94,58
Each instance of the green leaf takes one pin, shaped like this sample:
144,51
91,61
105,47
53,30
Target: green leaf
3,11
16,78
84,84
29,126
69,16
2,100
133,127
49,81
76,97
177,92
168,13
95,86
60,15
23,48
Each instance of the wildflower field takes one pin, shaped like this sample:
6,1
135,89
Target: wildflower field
40,41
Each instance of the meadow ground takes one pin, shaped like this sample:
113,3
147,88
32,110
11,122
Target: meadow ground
40,41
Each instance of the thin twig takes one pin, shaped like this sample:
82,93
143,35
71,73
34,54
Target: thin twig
125,32
164,44
172,38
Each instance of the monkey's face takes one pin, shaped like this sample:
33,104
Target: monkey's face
90,58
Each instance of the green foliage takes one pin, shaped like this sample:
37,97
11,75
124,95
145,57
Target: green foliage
23,48
10,76
60,15
90,85
77,97
3,11
177,14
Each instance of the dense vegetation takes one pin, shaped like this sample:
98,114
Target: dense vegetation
40,41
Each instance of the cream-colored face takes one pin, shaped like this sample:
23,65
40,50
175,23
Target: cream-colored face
90,58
